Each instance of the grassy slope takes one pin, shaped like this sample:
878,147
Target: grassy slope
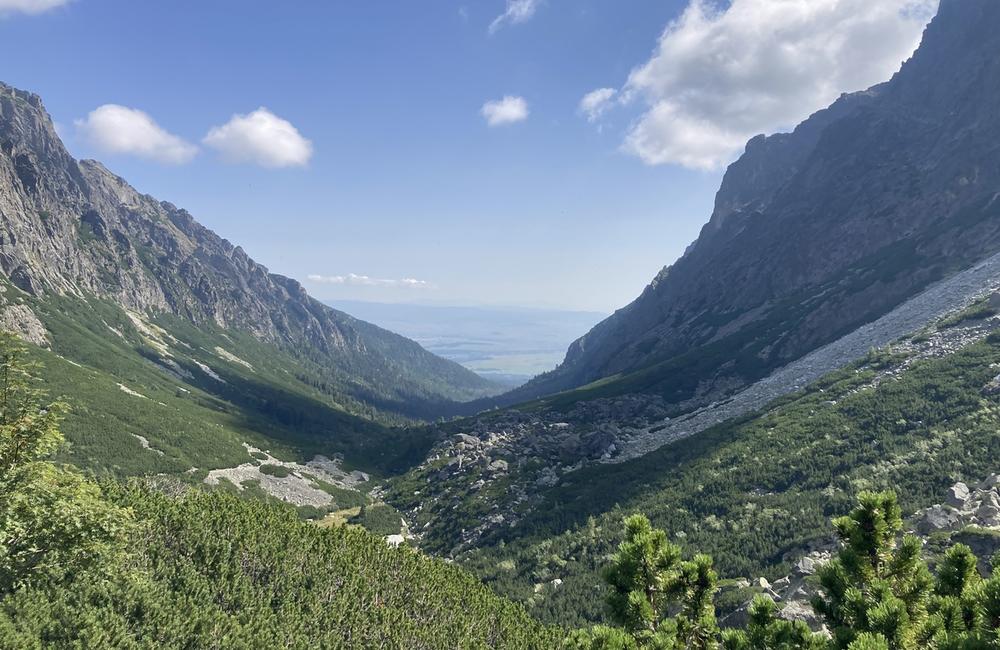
751,491
282,404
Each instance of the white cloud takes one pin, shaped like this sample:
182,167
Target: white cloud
722,74
596,102
29,6
260,138
505,111
518,11
352,279
118,129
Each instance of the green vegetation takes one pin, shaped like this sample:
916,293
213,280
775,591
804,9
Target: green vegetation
878,594
379,519
124,566
344,499
755,491
275,470
191,418
979,310
53,521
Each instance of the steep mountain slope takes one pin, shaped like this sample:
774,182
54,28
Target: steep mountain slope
821,230
76,230
756,492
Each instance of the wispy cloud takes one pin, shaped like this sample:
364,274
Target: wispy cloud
115,129
29,6
595,103
518,11
260,138
354,280
725,72
505,111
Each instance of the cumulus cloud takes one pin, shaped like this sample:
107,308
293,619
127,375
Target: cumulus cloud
260,138
115,129
518,11
505,111
352,279
722,73
595,103
29,6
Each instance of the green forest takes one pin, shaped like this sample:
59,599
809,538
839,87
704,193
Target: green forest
123,563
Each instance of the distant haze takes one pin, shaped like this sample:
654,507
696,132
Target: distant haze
505,344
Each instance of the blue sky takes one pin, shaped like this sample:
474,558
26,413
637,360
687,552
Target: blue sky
391,170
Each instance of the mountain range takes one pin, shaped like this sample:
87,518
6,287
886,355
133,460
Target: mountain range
818,231
835,329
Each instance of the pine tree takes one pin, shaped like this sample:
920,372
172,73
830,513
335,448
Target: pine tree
876,590
53,522
644,576
765,631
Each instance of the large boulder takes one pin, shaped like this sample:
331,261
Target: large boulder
958,496
937,518
468,440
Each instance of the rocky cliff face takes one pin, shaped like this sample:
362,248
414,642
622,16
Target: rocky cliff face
74,228
821,230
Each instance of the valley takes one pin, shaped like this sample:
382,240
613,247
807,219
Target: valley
788,441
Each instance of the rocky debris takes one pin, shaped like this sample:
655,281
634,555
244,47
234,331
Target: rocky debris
991,482
20,320
542,448
806,566
799,608
144,443
297,487
232,358
979,508
466,439
174,368
939,517
965,512
208,371
918,313
958,495
128,391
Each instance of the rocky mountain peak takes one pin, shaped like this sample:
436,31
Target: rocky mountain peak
78,229
818,231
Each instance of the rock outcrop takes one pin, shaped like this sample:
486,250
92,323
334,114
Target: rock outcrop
71,228
819,231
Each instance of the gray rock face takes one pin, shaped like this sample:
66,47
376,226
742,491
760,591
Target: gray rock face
937,518
23,322
74,228
824,229
958,496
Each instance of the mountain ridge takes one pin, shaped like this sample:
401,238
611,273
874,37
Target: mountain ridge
74,228
819,231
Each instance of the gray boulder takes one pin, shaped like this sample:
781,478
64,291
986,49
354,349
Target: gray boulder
937,518
958,495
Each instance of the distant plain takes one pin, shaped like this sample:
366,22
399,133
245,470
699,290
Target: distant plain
508,345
